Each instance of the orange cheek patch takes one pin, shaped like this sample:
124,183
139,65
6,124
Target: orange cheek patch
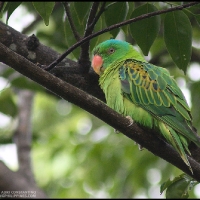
97,63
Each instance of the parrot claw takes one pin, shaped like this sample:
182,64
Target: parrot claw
130,120
140,147
116,131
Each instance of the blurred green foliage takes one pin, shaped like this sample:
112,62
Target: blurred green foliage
83,157
75,155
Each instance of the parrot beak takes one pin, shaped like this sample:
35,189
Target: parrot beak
97,64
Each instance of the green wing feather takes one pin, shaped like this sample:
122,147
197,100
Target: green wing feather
152,88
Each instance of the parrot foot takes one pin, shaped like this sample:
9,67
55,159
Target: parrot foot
130,120
140,147
116,131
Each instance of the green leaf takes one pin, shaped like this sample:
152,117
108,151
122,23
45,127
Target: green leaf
178,187
193,9
81,9
131,6
7,103
115,12
195,96
3,5
10,8
7,72
197,17
44,9
178,38
145,31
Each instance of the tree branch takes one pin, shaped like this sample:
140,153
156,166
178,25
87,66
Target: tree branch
92,15
144,137
101,10
18,183
23,134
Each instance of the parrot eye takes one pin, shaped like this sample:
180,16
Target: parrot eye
111,50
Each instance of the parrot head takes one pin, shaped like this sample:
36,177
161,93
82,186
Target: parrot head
111,52
108,52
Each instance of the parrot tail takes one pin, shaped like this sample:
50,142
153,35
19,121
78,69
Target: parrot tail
178,141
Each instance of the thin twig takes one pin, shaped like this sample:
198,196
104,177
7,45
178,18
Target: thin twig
91,17
101,10
84,55
71,23
144,16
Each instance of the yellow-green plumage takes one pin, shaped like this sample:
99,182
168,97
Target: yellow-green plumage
145,92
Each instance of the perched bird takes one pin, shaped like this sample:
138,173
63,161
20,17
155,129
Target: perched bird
145,92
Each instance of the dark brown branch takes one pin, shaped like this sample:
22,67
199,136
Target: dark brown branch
23,133
146,138
90,25
67,11
144,16
101,10
14,181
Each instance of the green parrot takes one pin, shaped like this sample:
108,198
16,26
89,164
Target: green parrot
145,92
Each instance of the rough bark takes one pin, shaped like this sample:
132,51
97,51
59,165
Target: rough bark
13,184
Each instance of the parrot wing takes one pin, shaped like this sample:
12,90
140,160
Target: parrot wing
153,89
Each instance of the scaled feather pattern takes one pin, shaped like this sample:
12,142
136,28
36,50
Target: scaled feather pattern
145,92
